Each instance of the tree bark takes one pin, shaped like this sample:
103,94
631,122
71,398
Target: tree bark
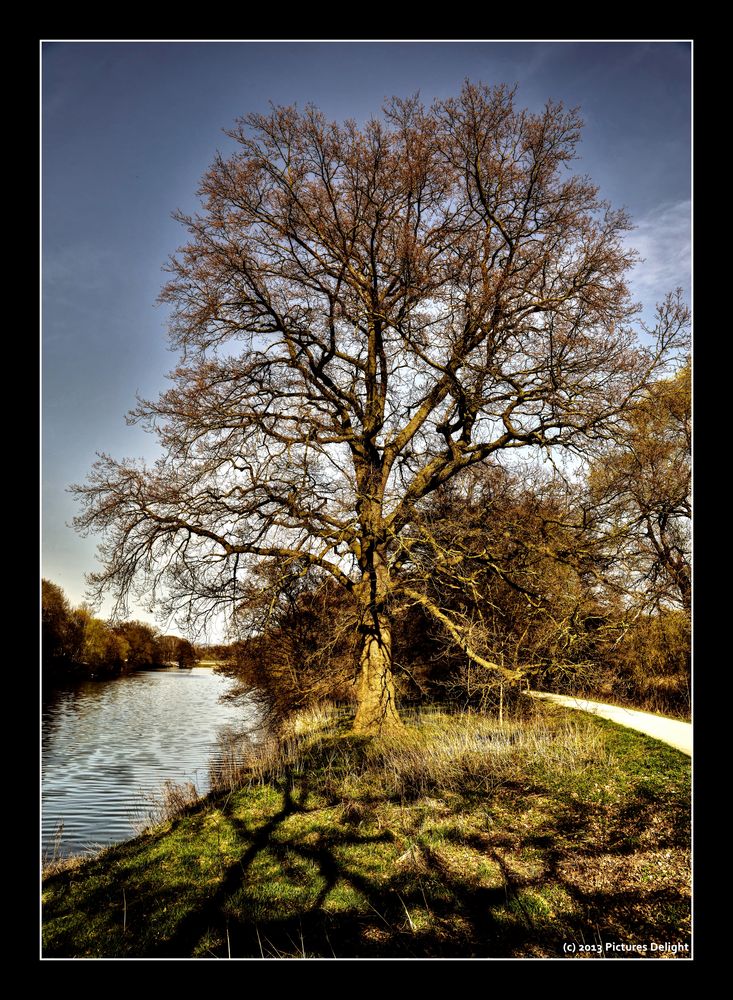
375,693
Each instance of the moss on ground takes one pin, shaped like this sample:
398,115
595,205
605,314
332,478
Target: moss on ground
457,839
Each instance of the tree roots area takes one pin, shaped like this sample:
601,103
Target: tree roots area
555,836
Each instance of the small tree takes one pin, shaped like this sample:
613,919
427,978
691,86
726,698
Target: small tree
363,314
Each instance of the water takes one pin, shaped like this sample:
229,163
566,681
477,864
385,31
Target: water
108,747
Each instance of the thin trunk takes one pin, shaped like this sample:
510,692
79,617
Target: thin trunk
375,691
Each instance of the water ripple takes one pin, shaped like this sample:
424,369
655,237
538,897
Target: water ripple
108,747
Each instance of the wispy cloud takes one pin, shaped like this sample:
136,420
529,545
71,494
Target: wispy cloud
663,239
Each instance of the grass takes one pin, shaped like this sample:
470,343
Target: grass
455,838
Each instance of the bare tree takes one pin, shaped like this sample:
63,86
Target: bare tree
362,314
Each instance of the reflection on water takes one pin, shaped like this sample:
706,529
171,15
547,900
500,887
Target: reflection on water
108,747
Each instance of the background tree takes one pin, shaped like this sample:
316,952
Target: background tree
101,650
502,560
74,641
185,654
58,639
640,489
174,649
218,653
363,314
142,644
302,639
168,648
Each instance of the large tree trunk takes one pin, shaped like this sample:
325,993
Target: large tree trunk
375,693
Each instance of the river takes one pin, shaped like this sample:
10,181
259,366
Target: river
108,747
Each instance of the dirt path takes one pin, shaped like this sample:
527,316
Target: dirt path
671,731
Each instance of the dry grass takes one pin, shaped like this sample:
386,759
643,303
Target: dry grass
436,753
466,752
173,800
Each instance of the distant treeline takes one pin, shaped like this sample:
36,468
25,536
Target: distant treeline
77,644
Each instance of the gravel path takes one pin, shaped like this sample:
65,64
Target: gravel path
671,731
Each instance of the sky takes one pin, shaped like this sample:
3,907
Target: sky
129,128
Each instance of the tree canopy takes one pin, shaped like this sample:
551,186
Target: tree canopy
363,314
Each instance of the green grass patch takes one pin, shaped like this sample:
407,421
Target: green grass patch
455,838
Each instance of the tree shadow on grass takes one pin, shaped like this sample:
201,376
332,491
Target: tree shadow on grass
296,885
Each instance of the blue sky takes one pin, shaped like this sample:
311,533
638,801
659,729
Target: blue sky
128,129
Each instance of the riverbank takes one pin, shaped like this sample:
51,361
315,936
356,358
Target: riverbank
459,838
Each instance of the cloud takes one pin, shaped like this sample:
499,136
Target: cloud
663,239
